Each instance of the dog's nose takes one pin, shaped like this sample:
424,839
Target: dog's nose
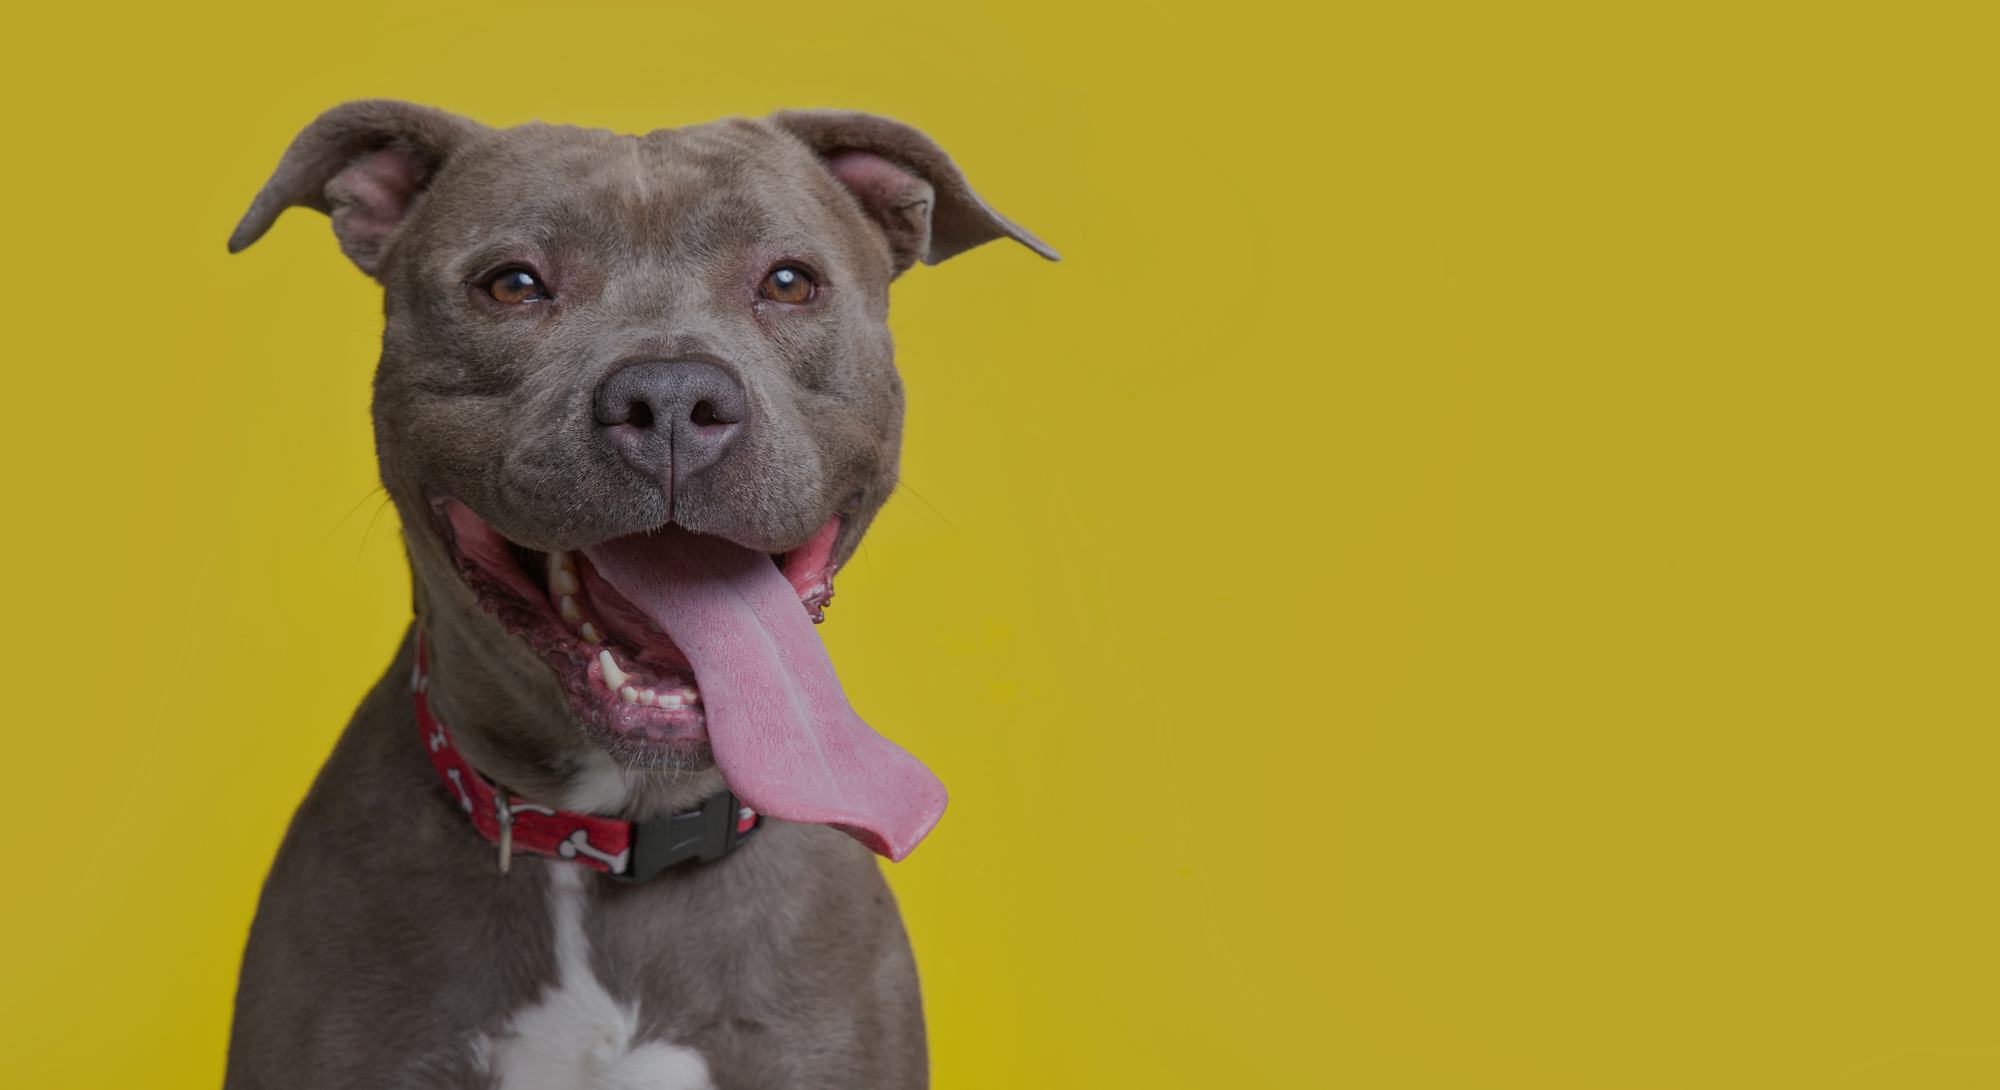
671,418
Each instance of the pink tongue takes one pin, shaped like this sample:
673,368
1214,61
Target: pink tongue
783,733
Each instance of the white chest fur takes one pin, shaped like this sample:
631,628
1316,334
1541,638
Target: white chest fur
576,1036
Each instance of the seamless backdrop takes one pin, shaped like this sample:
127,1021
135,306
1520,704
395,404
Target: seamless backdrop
1477,571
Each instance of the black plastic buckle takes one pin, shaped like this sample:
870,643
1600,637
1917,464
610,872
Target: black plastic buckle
707,834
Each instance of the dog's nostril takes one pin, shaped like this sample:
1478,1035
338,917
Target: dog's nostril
639,414
704,414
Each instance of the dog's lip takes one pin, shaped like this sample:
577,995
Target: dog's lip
441,502
809,564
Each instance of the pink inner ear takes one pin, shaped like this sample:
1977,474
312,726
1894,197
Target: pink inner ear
879,183
370,198
897,199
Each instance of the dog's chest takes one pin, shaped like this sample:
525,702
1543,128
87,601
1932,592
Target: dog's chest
576,1035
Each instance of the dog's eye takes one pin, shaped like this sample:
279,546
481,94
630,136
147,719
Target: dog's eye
787,284
516,285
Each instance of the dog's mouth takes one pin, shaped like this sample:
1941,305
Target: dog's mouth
624,675
674,647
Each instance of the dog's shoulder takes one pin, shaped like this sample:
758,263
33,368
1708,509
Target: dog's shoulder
366,955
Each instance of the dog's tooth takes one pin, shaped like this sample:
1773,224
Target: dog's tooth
647,696
567,607
629,695
559,561
614,678
589,632
670,700
562,581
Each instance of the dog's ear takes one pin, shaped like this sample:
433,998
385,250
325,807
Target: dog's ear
906,184
363,163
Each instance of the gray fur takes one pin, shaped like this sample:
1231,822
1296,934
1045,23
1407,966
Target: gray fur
386,940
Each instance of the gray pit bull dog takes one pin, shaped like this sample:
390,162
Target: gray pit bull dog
636,404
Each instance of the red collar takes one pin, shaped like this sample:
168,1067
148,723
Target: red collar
631,850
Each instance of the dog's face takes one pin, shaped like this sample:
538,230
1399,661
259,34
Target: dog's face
592,336
554,279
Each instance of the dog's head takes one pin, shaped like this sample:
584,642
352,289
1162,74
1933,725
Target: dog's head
613,367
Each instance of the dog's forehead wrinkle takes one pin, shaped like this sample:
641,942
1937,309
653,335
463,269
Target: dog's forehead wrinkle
656,184
732,185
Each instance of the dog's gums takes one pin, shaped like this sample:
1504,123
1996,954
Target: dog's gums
627,681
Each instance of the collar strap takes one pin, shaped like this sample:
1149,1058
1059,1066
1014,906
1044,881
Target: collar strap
633,851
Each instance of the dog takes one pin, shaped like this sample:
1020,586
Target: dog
607,819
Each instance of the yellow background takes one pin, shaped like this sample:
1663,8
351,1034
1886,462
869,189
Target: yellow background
1478,571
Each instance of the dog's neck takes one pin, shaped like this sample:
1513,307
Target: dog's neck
514,725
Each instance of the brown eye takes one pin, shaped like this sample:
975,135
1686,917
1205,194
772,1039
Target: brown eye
516,285
787,284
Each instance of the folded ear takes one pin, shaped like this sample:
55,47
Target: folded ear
364,163
906,184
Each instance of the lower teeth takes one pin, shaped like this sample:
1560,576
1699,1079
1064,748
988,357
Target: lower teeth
652,698
615,680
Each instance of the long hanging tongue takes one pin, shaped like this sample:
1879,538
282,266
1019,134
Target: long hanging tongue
781,728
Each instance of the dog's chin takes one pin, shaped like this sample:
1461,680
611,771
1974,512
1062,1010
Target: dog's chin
629,686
